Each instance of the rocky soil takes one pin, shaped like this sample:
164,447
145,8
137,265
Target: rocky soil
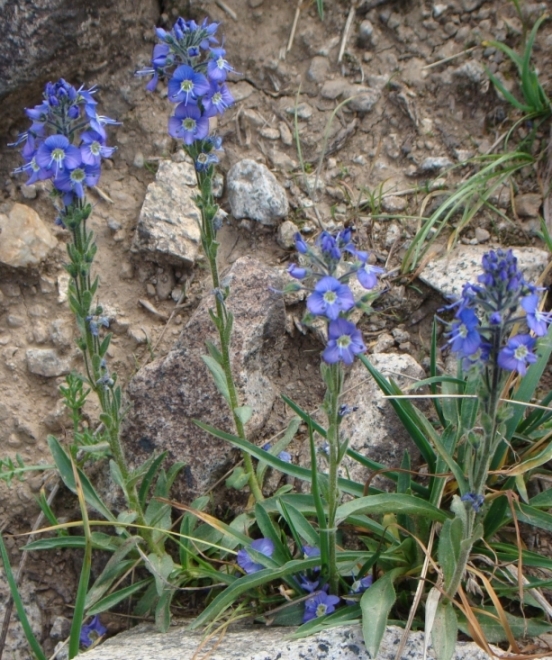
384,96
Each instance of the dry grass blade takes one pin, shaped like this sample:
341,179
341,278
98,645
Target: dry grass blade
294,26
346,31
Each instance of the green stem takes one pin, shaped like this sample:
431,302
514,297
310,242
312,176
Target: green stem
223,320
334,383
82,259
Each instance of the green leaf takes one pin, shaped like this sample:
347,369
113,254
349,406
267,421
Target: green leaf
535,517
237,479
163,610
244,414
160,568
444,633
218,376
63,464
152,470
347,486
271,531
20,608
449,547
375,604
117,596
493,630
114,568
99,542
247,583
390,503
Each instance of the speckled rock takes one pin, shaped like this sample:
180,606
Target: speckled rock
46,362
170,392
254,193
33,48
262,643
25,239
449,273
168,226
374,429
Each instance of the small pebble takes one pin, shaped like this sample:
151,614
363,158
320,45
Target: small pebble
482,235
138,159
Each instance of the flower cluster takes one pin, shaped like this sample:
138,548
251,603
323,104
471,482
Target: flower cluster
196,69
331,298
66,141
481,338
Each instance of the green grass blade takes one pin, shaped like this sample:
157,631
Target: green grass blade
20,608
116,597
391,503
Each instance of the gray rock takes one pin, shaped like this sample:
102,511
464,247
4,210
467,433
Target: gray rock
270,133
265,643
374,429
60,629
471,5
482,235
168,226
26,240
169,393
448,274
285,134
333,89
286,234
318,69
33,48
254,192
434,164
528,205
471,71
303,110
363,99
393,204
392,235
46,362
365,34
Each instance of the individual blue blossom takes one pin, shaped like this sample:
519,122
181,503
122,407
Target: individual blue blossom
344,342
187,85
56,153
93,148
476,501
329,246
205,160
464,336
264,546
360,586
307,584
516,355
92,631
297,272
218,100
300,244
477,359
285,456
310,551
537,321
188,124
324,448
344,410
319,605
75,180
367,274
218,68
330,298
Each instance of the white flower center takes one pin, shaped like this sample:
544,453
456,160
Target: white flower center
189,124
186,86
58,155
330,297
344,341
321,609
521,352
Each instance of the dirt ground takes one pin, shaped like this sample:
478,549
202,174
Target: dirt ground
423,62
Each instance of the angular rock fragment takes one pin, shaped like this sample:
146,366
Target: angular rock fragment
171,392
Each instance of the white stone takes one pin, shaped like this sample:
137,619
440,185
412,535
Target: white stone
449,273
26,240
265,643
254,193
46,362
168,226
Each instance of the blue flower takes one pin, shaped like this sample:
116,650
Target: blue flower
516,355
300,244
218,67
285,456
75,180
367,274
360,586
308,585
187,123
464,338
319,605
537,321
344,342
93,148
330,298
264,546
328,245
205,160
310,551
476,501
90,632
58,152
297,272
218,100
186,85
